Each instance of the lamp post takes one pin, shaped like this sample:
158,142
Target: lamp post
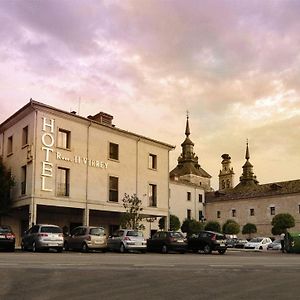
150,220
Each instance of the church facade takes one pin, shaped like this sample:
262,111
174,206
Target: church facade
188,183
251,202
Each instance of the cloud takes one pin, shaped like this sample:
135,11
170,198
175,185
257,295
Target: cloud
233,64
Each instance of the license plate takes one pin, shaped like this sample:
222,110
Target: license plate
52,244
222,245
2,236
180,241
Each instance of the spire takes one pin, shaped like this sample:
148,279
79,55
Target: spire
188,168
248,177
187,128
247,156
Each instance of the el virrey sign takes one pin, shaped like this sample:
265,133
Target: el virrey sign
48,142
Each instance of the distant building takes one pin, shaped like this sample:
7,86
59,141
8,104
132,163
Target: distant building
251,202
70,170
188,183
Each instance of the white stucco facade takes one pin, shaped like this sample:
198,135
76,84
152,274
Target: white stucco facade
64,171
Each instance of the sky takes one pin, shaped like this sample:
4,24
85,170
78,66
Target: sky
233,65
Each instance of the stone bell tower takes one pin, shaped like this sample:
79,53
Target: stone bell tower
226,176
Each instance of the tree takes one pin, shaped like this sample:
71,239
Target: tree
213,226
282,222
249,228
174,223
132,217
191,226
6,183
162,223
231,227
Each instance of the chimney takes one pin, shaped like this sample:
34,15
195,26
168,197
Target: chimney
102,118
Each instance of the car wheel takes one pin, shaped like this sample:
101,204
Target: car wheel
122,248
260,248
164,249
222,251
34,248
23,247
207,249
66,246
84,248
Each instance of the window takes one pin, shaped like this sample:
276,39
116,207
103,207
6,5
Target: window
189,214
23,180
252,213
233,213
152,161
9,145
63,182
152,195
272,210
25,136
223,184
218,214
228,183
113,189
113,151
63,139
201,217
200,198
189,196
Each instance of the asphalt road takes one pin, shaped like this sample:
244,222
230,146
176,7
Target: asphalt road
74,275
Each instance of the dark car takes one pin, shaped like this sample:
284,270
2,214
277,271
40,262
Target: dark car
165,241
7,238
208,241
236,243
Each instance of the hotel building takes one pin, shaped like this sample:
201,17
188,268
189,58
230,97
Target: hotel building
70,170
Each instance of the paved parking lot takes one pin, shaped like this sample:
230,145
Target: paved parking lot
75,275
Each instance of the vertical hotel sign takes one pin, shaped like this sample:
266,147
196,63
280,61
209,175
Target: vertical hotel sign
47,148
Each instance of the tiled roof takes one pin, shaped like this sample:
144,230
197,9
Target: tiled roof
262,190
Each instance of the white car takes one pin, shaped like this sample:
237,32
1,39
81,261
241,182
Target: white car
124,240
258,243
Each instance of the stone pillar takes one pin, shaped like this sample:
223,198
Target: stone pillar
32,213
86,217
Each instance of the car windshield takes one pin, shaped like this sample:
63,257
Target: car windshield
176,235
97,231
134,233
51,229
5,229
220,237
256,240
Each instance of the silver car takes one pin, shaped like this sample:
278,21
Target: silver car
86,238
43,237
124,240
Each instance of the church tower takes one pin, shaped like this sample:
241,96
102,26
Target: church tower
226,176
248,179
188,168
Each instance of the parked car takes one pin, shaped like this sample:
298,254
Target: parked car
124,240
7,238
231,242
240,243
208,241
275,245
292,242
258,243
43,237
85,238
165,241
